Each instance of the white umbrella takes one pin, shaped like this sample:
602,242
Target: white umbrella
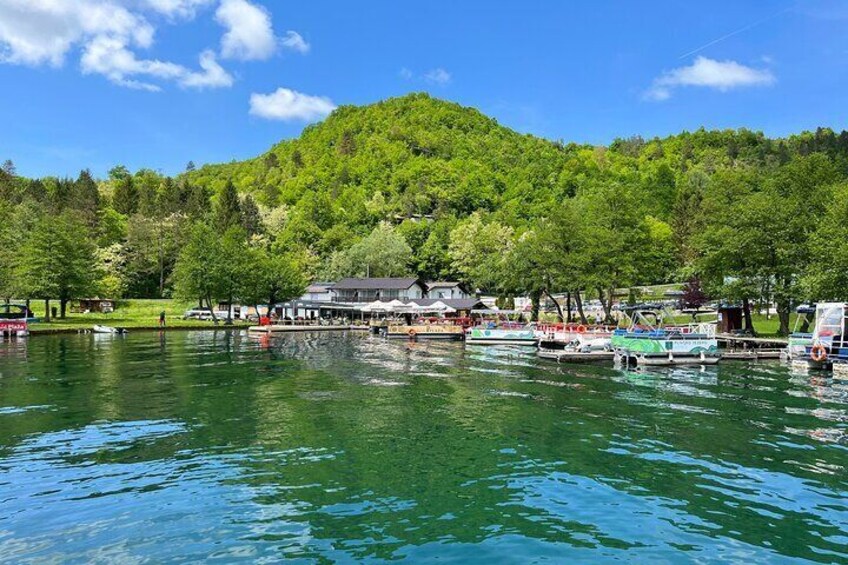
442,307
376,306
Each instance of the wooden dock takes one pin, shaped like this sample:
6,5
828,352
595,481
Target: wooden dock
746,342
284,328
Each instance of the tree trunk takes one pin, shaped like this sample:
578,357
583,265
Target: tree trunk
161,264
534,305
230,310
46,309
63,306
557,305
568,306
746,313
212,310
272,299
783,316
606,304
579,302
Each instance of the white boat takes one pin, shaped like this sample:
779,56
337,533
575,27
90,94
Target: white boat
575,337
498,335
98,329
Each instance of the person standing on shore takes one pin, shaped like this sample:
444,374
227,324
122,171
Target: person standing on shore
162,319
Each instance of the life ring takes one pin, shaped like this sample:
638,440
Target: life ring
411,333
818,353
581,329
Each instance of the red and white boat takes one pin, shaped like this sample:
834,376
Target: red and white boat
579,337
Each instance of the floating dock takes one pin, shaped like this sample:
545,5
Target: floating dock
751,354
566,356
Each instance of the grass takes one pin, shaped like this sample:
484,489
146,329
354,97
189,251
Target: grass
128,314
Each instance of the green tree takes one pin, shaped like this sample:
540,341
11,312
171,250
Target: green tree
197,273
227,208
477,251
58,261
383,253
826,277
124,191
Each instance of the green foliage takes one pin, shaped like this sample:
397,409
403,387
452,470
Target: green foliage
383,253
227,208
415,185
58,260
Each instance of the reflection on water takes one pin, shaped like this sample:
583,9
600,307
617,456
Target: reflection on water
324,446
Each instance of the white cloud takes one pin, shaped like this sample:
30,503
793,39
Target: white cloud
213,75
434,76
111,58
287,105
709,73
185,9
36,32
295,41
249,35
42,32
438,76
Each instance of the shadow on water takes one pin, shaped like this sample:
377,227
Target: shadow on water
347,447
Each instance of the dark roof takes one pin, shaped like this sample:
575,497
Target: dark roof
376,283
313,305
319,287
444,284
457,303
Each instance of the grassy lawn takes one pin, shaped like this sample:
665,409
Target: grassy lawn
128,314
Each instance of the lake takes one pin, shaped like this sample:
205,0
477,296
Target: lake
343,447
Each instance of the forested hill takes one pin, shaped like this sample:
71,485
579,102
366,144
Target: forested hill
408,155
417,185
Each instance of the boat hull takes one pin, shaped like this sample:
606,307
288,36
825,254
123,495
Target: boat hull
665,350
495,336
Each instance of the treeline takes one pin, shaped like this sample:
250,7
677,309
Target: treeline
141,235
415,185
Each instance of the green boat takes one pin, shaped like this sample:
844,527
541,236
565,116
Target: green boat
649,341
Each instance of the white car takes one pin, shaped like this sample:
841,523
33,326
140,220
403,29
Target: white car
198,314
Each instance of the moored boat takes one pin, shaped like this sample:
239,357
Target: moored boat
424,330
584,337
98,329
801,337
649,341
828,345
501,335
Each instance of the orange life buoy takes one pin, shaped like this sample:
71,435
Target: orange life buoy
581,329
818,353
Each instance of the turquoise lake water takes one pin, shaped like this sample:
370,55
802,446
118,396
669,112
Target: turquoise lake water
191,446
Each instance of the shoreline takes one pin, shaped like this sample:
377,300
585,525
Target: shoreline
84,330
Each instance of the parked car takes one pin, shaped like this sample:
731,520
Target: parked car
198,314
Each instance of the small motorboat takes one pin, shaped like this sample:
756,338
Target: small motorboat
108,330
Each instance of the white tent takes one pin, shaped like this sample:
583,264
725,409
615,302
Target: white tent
376,306
438,307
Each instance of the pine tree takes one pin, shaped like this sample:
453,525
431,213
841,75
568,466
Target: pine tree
124,192
9,168
190,166
251,219
85,197
228,209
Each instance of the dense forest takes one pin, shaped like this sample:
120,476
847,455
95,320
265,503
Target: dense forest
416,185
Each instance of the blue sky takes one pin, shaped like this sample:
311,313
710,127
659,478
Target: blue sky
156,83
